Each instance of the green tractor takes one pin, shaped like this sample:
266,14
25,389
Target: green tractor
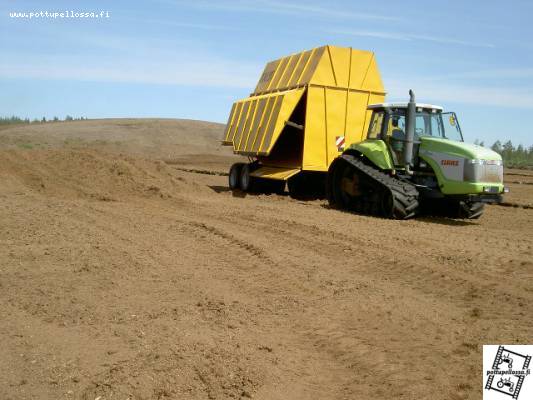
414,161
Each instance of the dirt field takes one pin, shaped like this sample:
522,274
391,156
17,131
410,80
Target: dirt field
122,276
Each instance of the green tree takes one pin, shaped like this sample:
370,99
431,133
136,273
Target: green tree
507,150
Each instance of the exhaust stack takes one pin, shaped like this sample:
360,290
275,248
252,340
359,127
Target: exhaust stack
410,132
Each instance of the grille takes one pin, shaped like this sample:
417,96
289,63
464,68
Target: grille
488,173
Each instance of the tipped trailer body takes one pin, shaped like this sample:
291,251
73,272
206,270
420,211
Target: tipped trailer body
304,110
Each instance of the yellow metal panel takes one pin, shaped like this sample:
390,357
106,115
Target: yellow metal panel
324,66
289,72
314,155
280,70
264,124
255,125
372,79
229,125
235,122
282,113
267,76
359,64
240,125
323,74
281,174
309,71
340,57
262,120
246,131
335,119
302,63
356,128
269,131
291,66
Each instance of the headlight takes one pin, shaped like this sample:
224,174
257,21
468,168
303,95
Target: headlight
478,170
477,161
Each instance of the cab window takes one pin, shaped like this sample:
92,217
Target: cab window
396,136
396,126
422,127
374,131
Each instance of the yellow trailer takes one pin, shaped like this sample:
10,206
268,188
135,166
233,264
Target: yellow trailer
305,107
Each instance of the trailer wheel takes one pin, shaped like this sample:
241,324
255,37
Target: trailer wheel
245,179
234,176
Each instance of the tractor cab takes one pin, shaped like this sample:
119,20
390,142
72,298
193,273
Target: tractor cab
389,123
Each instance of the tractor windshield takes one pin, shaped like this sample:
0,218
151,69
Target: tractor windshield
442,125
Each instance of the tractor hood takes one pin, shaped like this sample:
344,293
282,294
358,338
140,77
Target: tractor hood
457,149
463,168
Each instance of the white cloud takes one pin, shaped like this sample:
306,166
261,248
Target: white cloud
374,34
94,56
179,24
190,72
443,92
499,74
407,37
285,8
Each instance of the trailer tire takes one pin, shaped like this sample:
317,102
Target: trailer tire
235,176
245,179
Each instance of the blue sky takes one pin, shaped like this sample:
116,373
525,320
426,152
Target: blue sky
192,59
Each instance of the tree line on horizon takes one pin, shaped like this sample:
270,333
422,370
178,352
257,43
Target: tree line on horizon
513,156
17,120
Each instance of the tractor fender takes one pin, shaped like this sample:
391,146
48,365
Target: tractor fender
375,151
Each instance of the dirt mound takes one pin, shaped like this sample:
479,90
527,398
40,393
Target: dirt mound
124,276
186,141
88,174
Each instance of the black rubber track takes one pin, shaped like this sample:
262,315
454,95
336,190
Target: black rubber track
450,208
404,194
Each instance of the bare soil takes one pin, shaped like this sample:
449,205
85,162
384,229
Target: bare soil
123,276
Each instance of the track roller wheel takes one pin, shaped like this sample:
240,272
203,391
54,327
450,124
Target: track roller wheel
469,210
355,186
